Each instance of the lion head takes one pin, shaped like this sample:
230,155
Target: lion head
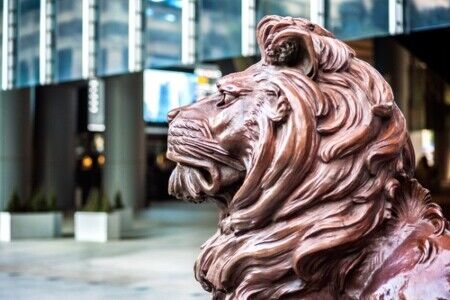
302,151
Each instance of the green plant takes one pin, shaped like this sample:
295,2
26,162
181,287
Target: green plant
118,203
97,202
92,200
38,202
52,202
14,204
104,204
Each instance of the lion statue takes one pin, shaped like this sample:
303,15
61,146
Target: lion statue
310,162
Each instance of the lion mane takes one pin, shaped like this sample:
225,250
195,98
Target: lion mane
318,185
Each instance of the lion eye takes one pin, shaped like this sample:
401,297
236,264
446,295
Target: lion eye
225,100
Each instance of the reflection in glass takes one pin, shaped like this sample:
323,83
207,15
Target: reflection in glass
425,14
27,59
68,32
353,19
219,29
293,8
162,33
165,90
112,50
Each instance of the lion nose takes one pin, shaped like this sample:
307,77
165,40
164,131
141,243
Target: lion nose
173,113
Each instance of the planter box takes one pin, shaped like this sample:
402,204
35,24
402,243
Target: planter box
96,226
29,225
126,219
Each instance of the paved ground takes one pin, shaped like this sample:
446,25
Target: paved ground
155,262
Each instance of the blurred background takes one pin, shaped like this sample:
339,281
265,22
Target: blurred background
85,89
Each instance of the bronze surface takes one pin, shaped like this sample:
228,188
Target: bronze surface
310,162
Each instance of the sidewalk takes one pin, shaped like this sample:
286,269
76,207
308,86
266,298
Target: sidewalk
157,263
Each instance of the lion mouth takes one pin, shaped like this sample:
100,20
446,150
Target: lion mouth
186,183
197,176
192,144
193,179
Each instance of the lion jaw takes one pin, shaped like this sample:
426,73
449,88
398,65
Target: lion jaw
203,166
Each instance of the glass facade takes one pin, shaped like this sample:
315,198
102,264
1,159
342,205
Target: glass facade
293,8
353,19
68,40
112,48
27,58
165,90
426,14
219,29
162,33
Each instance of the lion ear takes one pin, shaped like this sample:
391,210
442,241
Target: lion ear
283,43
295,52
281,110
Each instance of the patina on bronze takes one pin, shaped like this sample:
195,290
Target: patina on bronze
309,159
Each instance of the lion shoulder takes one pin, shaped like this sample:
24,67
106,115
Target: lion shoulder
413,275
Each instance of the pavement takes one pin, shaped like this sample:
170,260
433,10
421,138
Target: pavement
154,261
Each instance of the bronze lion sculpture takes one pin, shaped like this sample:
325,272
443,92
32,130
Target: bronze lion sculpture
309,160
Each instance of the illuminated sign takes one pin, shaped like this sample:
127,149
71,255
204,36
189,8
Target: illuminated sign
96,105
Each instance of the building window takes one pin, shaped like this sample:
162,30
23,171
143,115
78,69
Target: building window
219,29
112,37
68,41
27,58
162,33
355,19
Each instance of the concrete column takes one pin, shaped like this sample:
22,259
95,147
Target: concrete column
125,139
15,144
393,61
56,113
442,159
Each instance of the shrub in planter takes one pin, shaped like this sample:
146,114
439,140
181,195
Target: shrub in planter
14,204
118,203
39,203
97,222
125,213
37,218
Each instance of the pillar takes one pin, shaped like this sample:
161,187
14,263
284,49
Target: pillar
15,144
393,62
56,113
125,139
